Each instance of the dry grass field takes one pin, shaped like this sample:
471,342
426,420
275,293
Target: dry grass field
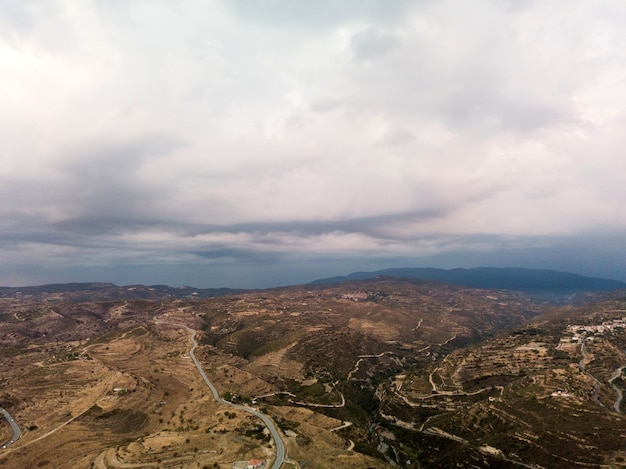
131,397
365,374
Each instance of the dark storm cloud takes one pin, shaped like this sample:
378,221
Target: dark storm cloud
83,231
139,134
371,225
106,179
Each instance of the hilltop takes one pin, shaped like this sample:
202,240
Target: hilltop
526,280
95,291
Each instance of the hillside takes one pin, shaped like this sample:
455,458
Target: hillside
527,280
370,373
93,291
548,394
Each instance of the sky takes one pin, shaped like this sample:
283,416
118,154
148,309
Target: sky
260,143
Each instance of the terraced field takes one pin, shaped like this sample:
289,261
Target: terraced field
372,373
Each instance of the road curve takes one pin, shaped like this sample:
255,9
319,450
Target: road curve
620,395
16,429
280,446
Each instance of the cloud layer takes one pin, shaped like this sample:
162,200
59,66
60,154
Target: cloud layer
172,134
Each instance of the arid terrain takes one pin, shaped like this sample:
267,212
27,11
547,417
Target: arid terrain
371,373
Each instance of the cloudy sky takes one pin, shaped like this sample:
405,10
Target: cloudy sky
257,143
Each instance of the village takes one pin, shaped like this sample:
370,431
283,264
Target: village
580,333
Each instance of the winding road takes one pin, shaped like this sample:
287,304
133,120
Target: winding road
620,395
280,446
16,429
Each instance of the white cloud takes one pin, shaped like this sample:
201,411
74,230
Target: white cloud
493,118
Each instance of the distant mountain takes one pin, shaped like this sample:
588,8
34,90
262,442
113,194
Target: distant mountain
526,280
548,282
93,291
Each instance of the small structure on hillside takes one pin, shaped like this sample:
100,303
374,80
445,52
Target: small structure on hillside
255,464
251,464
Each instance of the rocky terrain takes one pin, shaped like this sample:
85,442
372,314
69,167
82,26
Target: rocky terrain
547,394
373,373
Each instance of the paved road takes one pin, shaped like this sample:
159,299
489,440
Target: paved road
620,395
280,446
16,430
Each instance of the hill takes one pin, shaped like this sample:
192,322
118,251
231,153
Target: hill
548,394
526,280
378,373
95,291
310,356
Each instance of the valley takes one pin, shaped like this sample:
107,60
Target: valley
370,373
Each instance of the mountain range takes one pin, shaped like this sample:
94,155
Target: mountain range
526,280
380,372
532,281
